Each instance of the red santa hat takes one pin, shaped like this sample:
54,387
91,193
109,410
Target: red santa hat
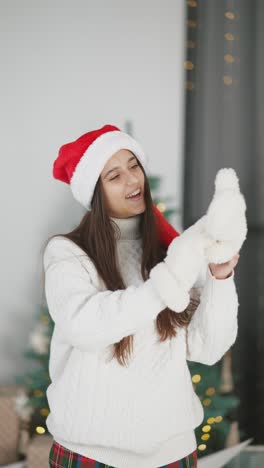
80,162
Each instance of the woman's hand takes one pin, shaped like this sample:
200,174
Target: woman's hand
224,270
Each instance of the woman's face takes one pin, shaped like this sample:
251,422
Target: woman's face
120,177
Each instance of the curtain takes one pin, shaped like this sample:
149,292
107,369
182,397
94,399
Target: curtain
224,127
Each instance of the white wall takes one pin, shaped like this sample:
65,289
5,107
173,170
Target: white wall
68,67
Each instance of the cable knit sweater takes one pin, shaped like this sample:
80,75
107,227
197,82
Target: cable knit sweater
143,415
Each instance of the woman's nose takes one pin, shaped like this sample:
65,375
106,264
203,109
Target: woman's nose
131,178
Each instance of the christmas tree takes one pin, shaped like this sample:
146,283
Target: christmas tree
33,406
214,386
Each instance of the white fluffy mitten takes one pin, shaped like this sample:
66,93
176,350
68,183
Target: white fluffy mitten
174,277
216,238
225,218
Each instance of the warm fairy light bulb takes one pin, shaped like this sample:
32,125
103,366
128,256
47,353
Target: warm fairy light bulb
229,36
196,378
38,393
211,420
201,447
210,391
191,23
44,411
191,3
205,436
229,58
228,80
188,65
218,418
161,206
40,430
206,428
230,15
207,401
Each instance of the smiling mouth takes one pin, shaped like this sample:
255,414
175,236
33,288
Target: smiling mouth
136,197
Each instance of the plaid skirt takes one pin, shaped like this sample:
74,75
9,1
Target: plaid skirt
61,457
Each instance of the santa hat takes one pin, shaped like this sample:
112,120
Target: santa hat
166,231
80,162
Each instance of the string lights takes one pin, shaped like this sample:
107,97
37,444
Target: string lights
231,17
206,429
230,38
228,61
191,44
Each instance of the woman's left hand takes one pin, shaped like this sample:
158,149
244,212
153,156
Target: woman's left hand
224,270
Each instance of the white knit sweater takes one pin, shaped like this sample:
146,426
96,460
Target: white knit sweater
143,415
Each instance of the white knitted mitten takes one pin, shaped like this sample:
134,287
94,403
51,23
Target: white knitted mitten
216,238
174,277
226,219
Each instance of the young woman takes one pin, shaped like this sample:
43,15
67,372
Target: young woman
131,300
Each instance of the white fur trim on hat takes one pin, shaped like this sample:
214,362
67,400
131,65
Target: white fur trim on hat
92,162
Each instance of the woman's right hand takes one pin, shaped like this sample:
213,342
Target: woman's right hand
175,276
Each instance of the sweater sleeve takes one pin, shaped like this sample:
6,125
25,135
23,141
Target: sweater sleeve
90,319
213,327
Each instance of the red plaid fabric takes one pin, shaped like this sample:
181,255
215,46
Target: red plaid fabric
61,457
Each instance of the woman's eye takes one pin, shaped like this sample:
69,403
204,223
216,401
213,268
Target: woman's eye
113,178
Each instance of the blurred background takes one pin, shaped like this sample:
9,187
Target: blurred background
184,78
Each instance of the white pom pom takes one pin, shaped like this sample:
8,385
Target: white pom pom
226,179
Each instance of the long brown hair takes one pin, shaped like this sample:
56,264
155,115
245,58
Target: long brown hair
95,235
